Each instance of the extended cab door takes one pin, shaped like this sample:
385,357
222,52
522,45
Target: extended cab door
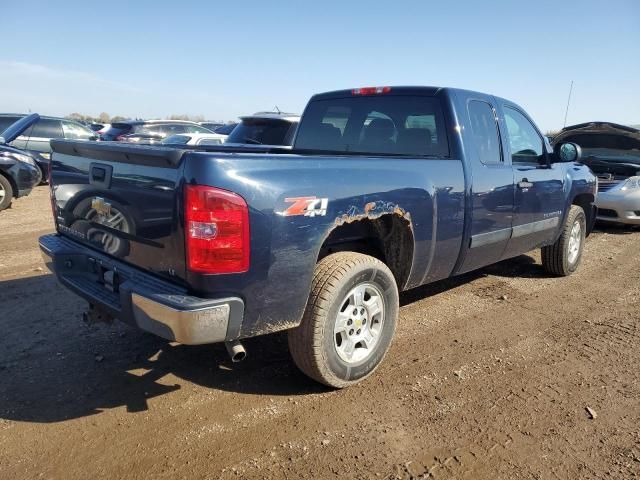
539,186
492,182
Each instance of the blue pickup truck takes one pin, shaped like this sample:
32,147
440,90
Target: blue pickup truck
385,189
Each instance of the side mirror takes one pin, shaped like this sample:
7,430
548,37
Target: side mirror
2,142
568,152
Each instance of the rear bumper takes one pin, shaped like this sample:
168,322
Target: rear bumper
139,298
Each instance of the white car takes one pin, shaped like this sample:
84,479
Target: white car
612,151
195,139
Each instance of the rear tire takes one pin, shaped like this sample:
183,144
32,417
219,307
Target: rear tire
563,257
6,193
349,320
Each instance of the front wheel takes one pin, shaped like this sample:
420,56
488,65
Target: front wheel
349,321
563,257
6,192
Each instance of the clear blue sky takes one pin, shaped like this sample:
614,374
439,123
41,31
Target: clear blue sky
223,59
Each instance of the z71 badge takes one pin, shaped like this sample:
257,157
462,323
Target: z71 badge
307,206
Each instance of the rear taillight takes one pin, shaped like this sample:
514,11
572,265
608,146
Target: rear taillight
216,230
370,90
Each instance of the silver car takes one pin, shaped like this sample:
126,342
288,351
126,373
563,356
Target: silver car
612,151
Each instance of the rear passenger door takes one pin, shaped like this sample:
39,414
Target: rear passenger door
539,186
492,184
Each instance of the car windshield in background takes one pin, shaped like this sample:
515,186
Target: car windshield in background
390,124
605,146
177,139
261,131
116,129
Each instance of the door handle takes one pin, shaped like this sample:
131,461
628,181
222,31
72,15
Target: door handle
524,183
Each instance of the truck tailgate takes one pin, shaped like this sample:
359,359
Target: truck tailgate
123,200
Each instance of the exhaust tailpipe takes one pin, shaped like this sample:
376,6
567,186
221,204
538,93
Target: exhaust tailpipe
236,351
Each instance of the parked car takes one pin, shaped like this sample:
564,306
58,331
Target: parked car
36,139
385,189
612,151
19,172
194,139
96,127
149,131
211,125
265,128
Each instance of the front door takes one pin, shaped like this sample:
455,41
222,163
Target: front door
539,187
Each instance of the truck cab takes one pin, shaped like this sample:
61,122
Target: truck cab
383,190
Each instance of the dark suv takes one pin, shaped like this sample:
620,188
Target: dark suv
36,138
149,131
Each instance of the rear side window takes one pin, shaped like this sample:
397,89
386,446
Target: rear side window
195,129
77,132
396,125
47,128
485,132
261,131
209,141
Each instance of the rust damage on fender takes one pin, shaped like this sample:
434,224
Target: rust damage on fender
373,211
384,229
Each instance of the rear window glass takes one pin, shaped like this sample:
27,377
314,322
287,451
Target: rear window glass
258,131
396,125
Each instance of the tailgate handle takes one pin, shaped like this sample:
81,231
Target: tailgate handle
100,175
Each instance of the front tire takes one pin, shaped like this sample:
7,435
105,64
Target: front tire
563,257
349,321
6,193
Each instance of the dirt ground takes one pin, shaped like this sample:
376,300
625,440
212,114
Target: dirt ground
489,377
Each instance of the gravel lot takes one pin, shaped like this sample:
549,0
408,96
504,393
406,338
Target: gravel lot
490,376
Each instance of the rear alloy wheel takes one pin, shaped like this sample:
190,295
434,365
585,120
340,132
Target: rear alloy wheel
349,321
6,192
563,257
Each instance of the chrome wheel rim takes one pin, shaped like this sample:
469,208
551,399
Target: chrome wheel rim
110,243
575,239
359,323
2,193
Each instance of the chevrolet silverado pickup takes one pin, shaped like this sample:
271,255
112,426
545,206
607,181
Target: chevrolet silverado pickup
384,189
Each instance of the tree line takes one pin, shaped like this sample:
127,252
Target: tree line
104,118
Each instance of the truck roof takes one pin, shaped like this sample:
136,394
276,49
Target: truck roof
415,90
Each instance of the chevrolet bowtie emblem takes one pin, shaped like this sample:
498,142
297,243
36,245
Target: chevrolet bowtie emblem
101,207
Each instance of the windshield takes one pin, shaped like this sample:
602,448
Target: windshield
116,129
390,124
261,131
607,146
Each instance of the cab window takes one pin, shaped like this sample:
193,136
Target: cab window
524,140
485,132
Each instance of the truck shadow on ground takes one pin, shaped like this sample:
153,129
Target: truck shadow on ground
55,368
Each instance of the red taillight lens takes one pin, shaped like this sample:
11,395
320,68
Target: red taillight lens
370,90
216,230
